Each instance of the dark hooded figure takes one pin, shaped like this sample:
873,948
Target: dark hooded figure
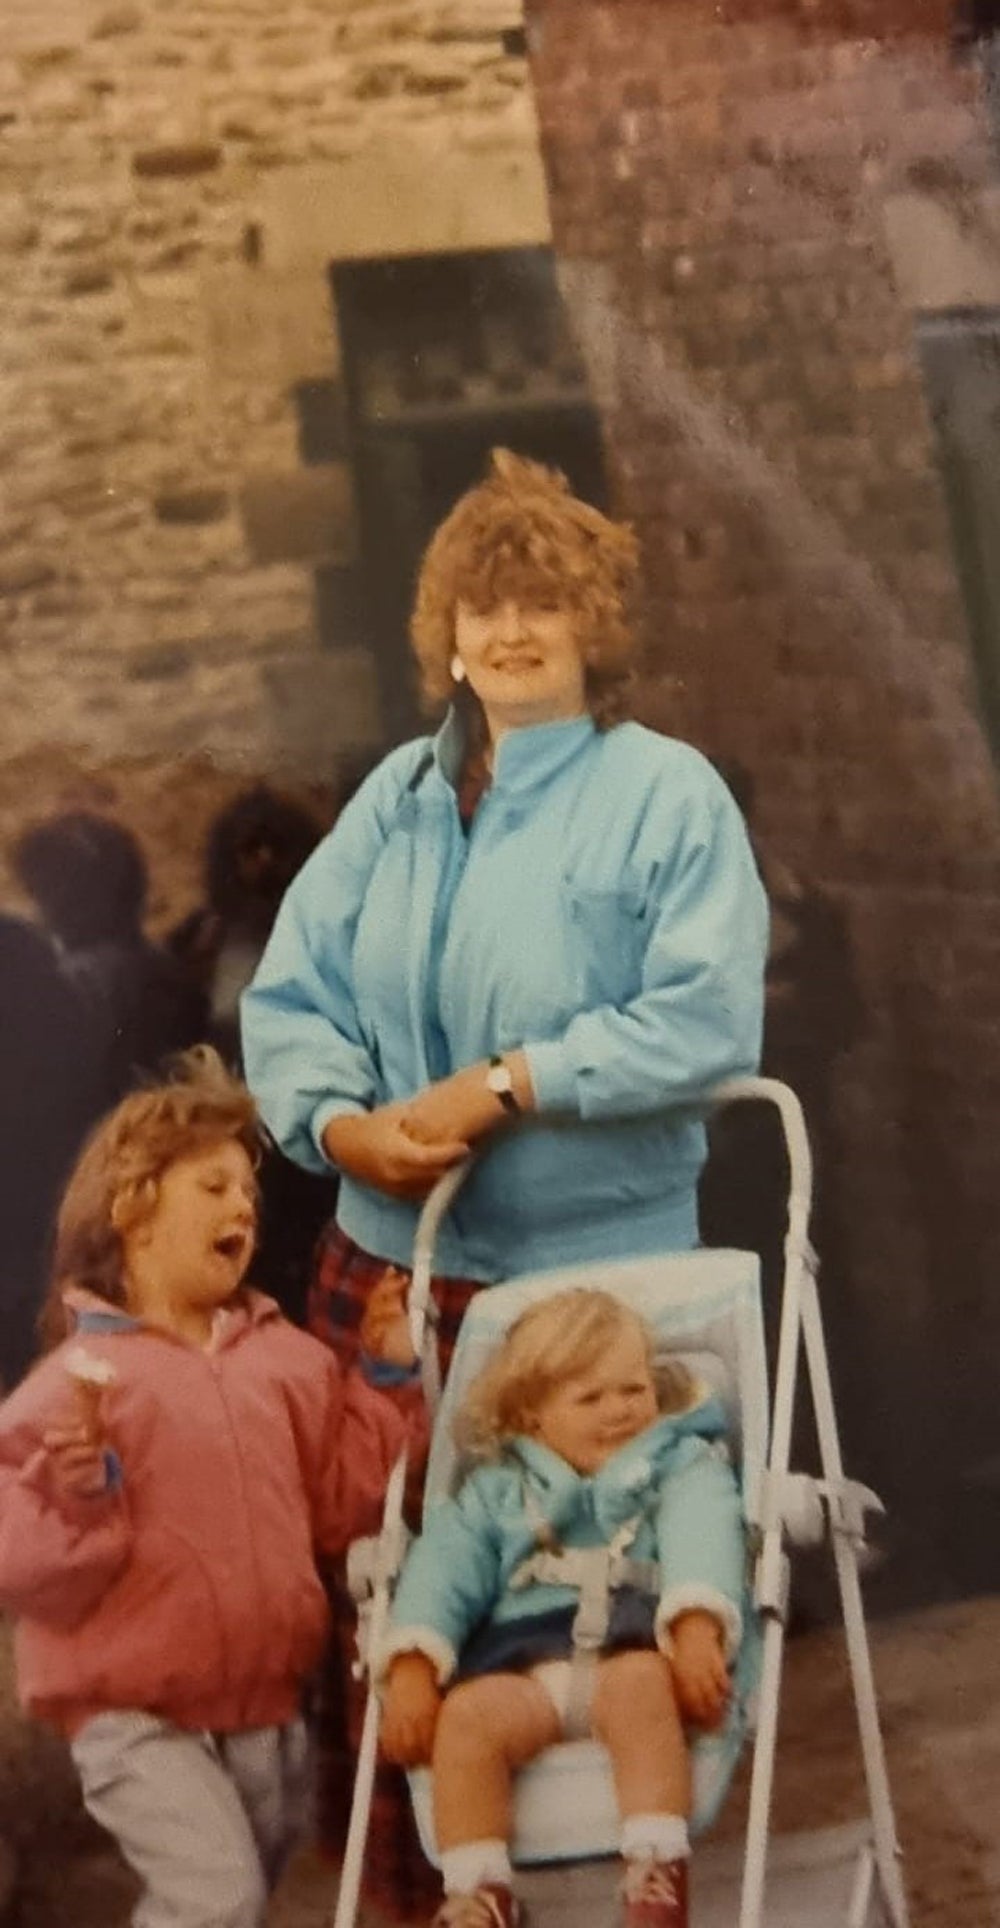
255,846
47,1096
88,877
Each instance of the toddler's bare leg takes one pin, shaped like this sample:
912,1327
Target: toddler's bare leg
487,1729
635,1715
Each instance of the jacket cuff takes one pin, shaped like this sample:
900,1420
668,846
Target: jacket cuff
383,1374
553,1076
417,1640
330,1108
699,1599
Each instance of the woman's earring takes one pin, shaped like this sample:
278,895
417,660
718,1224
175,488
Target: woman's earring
457,669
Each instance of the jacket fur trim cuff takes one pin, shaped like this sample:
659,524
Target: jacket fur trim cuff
704,1599
417,1640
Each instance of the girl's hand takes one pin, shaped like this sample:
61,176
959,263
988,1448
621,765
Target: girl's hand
410,1710
374,1147
76,1459
701,1677
385,1328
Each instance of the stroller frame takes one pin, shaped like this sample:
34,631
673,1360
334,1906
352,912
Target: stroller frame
791,1509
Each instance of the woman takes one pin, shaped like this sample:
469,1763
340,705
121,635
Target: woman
542,927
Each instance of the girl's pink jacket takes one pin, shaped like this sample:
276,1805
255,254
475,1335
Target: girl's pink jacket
190,1588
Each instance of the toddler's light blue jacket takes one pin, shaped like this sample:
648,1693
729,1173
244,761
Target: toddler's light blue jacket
604,912
675,1478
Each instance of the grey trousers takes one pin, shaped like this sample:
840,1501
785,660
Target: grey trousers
207,1821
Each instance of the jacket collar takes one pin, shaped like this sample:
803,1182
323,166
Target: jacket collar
93,1317
524,758
619,1489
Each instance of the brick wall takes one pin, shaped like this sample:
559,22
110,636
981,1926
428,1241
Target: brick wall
719,177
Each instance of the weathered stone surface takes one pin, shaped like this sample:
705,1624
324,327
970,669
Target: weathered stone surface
145,141
19,573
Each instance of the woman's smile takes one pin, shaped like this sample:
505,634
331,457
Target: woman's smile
523,664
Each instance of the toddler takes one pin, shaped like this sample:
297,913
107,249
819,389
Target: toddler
168,1475
583,1444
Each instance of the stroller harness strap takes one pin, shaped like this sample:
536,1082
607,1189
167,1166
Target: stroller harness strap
595,1572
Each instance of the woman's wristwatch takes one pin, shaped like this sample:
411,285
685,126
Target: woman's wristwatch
500,1081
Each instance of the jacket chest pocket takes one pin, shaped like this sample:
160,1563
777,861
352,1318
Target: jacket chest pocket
607,935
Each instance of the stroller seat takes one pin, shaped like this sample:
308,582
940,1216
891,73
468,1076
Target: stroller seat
705,1308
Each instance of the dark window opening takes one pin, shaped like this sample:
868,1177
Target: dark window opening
445,357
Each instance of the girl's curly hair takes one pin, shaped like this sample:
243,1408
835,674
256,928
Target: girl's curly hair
522,535
114,1182
557,1339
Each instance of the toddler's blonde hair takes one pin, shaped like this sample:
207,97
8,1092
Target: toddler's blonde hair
557,1339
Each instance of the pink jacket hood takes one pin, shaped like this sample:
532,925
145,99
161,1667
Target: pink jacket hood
190,1587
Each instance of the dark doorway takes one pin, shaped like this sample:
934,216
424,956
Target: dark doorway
445,357
960,356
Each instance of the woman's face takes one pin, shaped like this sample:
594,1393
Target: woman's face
522,662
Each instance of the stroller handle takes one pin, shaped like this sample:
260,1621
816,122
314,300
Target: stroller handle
730,1091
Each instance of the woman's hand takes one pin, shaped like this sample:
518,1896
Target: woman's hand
463,1106
374,1147
385,1328
410,1710
701,1677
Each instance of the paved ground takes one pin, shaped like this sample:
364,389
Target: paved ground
939,1685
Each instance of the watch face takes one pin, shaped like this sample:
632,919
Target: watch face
498,1078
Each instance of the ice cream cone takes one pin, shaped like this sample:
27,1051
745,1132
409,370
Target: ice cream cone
90,1378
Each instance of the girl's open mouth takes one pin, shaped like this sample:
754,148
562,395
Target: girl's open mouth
232,1245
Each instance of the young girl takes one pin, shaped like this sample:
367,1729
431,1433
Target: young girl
583,1444
167,1475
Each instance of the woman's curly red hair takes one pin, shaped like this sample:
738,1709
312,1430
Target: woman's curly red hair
521,535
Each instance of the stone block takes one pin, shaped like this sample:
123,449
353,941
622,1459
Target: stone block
158,663
407,198
193,506
306,515
21,571
115,21
280,326
176,160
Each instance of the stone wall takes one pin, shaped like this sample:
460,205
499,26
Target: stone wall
722,182
174,179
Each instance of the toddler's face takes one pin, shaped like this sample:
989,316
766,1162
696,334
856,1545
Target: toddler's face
588,1418
198,1239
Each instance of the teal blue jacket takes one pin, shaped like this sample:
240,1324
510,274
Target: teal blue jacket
604,911
674,1478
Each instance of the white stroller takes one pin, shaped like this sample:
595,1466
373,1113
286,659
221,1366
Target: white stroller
706,1306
